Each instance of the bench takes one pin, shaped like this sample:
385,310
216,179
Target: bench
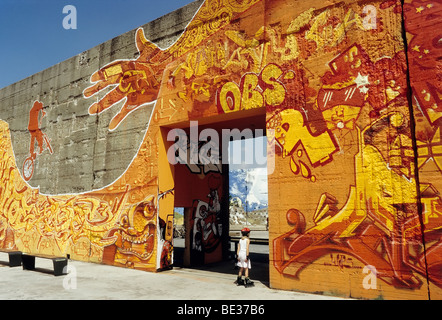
15,257
59,263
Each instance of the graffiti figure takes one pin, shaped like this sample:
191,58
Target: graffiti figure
206,226
36,135
138,81
165,236
131,243
378,225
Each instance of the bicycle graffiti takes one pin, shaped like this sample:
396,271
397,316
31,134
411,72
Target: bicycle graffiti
43,142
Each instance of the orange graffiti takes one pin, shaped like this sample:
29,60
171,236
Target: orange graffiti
354,182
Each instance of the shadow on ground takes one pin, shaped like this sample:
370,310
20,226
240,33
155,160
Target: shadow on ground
258,272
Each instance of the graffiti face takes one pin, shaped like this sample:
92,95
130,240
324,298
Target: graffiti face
134,240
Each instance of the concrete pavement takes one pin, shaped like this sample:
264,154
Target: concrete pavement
89,281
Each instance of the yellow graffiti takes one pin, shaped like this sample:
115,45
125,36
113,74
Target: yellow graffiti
290,50
431,150
324,34
212,16
379,192
50,224
253,48
254,91
291,131
341,116
198,62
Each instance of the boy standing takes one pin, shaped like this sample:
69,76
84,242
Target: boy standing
243,259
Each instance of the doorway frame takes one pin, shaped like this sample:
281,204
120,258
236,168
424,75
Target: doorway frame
166,171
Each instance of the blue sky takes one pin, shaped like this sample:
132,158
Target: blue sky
32,37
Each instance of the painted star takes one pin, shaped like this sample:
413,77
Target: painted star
416,48
419,10
362,81
363,90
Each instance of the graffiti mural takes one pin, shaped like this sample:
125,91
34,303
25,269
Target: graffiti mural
33,222
354,101
42,139
382,203
165,237
423,22
380,223
379,231
206,223
131,241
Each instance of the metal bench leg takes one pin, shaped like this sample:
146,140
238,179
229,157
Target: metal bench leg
15,259
60,265
28,262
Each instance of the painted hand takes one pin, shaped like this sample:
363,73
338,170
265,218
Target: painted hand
137,82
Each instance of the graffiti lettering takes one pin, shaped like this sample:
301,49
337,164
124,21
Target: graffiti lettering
202,153
341,260
290,131
254,91
324,33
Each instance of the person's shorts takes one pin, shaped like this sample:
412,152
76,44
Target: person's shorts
242,261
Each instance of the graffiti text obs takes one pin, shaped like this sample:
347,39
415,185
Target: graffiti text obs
254,91
201,152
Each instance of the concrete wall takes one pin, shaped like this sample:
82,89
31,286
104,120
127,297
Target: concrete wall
87,156
350,91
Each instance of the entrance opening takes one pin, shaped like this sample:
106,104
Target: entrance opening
214,202
248,202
